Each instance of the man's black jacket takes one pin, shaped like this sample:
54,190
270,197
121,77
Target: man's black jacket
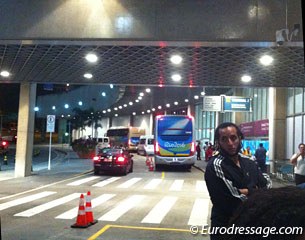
223,179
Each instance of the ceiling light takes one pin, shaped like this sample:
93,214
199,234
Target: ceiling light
108,110
91,57
4,73
148,111
80,103
176,77
266,60
140,98
130,103
125,105
202,93
115,109
143,112
141,94
66,106
116,115
137,100
104,111
120,107
246,78
153,109
147,90
88,75
186,100
67,84
196,97
134,113
159,107
36,109
168,105
103,94
53,107
176,103
111,86
176,59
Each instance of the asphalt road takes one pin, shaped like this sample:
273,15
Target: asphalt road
142,205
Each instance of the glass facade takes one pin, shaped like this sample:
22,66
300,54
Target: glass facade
295,120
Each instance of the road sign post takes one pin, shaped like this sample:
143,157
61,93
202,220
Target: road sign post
50,129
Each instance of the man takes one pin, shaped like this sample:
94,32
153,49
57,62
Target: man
198,150
260,156
230,177
298,160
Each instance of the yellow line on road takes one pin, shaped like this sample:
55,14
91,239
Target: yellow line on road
163,175
106,227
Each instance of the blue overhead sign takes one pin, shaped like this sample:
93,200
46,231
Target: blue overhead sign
236,104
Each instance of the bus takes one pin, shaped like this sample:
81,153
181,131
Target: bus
174,140
128,137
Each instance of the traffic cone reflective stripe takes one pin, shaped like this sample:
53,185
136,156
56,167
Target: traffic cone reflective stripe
89,213
81,220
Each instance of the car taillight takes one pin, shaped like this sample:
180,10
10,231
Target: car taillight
120,159
192,148
96,158
157,148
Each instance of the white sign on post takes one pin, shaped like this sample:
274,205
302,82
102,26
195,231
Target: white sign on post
212,103
50,128
50,123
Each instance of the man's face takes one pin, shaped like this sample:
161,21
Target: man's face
229,141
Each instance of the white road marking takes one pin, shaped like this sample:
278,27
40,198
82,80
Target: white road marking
122,208
160,210
46,206
106,182
27,199
129,183
81,181
199,212
72,213
153,183
201,186
177,185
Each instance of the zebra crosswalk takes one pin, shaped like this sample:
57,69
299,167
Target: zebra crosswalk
157,207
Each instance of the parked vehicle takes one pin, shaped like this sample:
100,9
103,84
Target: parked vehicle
146,145
174,141
114,160
3,146
102,142
127,137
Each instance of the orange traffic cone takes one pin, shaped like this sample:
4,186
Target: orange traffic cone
147,161
81,221
89,213
151,165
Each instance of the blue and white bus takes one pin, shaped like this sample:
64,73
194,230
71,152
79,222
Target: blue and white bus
174,140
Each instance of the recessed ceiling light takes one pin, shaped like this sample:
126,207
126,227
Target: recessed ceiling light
91,57
130,103
141,94
5,74
246,78
176,59
103,94
80,103
116,115
168,105
111,86
196,97
88,75
266,60
176,77
176,103
202,93
115,109
134,113
125,105
147,90
186,100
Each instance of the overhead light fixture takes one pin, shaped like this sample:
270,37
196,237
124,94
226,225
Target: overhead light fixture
266,60
80,103
167,105
186,100
111,86
176,59
66,106
53,108
176,77
36,109
176,103
88,75
91,57
246,78
141,94
134,113
5,74
202,93
147,90
196,97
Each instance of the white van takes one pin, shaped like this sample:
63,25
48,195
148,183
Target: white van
102,142
146,145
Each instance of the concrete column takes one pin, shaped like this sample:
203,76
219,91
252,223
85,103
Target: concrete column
277,124
25,134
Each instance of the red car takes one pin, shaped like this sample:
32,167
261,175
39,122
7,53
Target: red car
115,160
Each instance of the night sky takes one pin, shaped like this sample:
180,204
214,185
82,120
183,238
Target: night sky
9,98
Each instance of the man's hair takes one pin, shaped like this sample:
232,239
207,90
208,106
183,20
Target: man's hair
225,125
275,207
301,145
261,145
